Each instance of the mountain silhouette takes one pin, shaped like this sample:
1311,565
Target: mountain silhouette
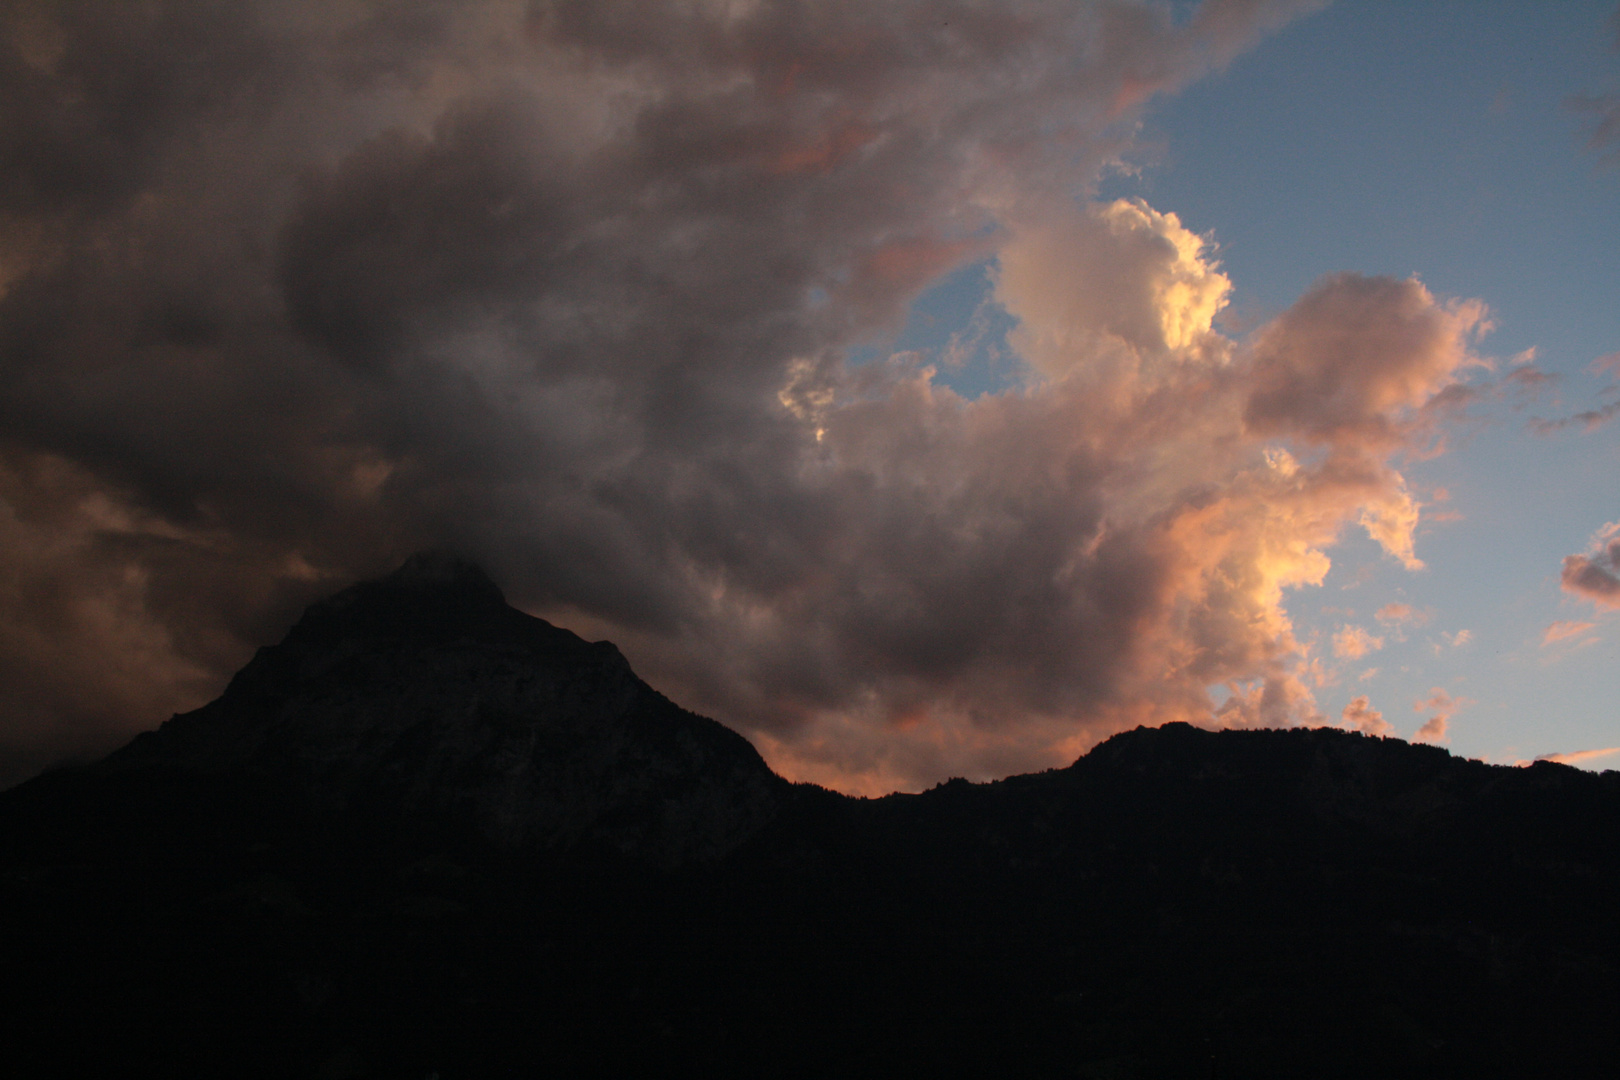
427,834
425,696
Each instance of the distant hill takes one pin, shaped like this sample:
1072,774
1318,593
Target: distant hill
427,834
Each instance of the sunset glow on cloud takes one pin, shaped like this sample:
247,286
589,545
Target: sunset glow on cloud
583,289
1595,576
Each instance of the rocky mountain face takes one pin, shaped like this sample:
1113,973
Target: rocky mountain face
429,835
423,697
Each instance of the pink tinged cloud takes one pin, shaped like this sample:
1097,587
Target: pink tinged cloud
1354,642
1433,730
1595,575
1401,614
1579,757
1563,631
1361,716
1444,706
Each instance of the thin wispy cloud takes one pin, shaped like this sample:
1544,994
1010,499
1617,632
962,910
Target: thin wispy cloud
1603,136
1579,757
1588,420
1564,631
1402,614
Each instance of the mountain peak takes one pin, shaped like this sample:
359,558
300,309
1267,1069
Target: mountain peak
440,568
425,693
433,594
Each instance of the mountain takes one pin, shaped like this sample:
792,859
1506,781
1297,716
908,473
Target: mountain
424,697
427,834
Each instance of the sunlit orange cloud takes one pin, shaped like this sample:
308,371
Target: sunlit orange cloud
1563,631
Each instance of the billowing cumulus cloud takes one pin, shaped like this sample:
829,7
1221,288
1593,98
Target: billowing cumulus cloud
292,289
1595,576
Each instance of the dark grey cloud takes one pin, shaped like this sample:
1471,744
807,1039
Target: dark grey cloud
293,289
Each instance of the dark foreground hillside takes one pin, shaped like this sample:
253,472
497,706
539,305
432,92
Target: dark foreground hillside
427,834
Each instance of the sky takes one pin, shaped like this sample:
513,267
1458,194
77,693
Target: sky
928,388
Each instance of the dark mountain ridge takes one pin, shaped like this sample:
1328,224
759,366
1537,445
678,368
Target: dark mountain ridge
427,833
424,695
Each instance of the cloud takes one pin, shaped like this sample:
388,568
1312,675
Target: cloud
1444,706
294,289
1578,756
1353,642
1402,614
1530,378
1361,716
1563,631
1354,359
1605,110
1433,730
1593,576
1604,107
1589,420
